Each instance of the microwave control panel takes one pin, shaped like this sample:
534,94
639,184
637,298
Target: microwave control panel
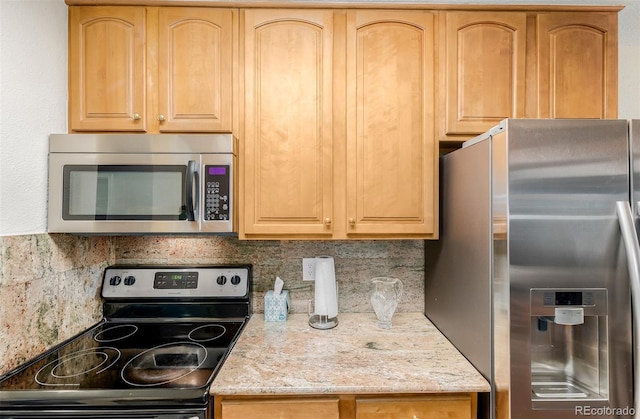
217,181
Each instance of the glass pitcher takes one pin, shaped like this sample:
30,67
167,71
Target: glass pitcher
384,299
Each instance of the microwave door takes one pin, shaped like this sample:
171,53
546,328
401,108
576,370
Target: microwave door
123,193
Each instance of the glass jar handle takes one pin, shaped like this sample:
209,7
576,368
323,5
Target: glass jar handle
399,289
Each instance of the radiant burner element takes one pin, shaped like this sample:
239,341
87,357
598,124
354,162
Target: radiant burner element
164,364
207,333
65,370
115,333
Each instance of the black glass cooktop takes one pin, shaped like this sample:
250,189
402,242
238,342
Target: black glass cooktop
116,356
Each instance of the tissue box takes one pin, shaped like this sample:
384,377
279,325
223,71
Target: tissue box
276,307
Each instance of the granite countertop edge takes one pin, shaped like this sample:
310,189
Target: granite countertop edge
356,357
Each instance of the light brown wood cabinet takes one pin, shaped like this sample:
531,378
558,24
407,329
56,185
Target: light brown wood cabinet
458,406
483,70
391,154
287,158
577,65
337,117
426,406
525,64
292,408
338,124
107,68
150,69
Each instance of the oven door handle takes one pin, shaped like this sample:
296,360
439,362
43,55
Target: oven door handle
193,180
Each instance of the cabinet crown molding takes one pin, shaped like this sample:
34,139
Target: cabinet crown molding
341,4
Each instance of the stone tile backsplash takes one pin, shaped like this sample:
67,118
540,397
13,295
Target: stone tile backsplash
50,284
356,263
49,291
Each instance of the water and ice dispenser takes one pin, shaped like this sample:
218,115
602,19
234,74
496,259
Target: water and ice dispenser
569,345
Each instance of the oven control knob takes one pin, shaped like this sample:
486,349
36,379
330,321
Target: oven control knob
115,280
130,280
235,280
221,280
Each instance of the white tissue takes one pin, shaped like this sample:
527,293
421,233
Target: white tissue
277,288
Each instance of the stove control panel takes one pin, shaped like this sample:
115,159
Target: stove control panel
176,282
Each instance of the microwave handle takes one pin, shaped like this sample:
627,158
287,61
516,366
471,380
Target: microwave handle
192,198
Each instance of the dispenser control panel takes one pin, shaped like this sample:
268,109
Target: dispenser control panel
569,298
545,300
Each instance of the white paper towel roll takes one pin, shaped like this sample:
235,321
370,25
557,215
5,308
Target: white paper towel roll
326,296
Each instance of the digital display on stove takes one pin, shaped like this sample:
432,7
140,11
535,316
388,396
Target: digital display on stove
175,280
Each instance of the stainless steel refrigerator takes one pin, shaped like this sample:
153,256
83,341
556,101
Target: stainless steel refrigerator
533,275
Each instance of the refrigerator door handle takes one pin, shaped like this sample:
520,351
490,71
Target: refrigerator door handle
630,239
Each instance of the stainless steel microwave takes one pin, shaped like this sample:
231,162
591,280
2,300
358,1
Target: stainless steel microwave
142,183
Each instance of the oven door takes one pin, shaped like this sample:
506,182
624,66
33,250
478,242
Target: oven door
202,413
123,193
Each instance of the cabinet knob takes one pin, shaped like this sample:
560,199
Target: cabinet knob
161,118
352,222
135,116
327,221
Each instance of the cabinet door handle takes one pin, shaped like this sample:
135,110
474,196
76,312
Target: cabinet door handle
161,117
327,221
135,116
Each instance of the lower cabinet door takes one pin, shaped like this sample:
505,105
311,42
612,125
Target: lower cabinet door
282,409
428,407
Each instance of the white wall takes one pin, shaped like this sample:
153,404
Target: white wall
33,104
33,96
629,60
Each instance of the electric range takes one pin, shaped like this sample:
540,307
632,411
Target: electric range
165,333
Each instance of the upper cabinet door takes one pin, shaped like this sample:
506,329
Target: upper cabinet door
195,63
484,71
577,65
287,159
391,152
106,68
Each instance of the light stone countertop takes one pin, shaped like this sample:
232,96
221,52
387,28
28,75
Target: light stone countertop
288,358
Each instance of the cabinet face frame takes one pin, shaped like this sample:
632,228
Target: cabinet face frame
387,135
288,123
489,47
107,91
